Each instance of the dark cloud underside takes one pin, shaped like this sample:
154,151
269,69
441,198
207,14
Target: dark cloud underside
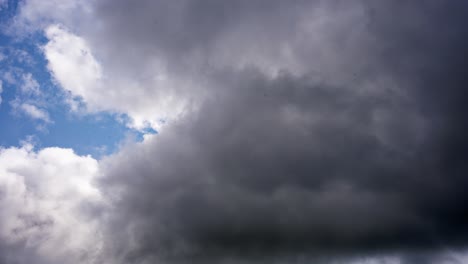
298,164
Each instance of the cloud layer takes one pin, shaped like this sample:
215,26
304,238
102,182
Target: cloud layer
289,131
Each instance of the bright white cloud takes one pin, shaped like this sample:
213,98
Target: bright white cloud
71,62
46,198
73,65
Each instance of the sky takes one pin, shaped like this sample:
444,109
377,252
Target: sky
244,131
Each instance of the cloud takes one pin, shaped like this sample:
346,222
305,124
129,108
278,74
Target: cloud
278,170
34,14
71,62
47,198
167,72
9,77
73,65
34,112
1,90
3,4
297,132
30,85
31,111
303,163
29,99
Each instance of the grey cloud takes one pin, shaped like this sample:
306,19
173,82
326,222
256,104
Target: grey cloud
191,38
297,164
280,168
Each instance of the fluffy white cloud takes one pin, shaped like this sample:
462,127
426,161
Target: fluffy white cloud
72,63
46,199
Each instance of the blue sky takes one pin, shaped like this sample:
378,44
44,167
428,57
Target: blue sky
92,133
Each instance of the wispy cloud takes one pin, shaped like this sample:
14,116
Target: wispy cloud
35,112
30,110
29,84
1,90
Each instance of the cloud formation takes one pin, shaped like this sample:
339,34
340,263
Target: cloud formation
48,206
294,131
29,100
31,111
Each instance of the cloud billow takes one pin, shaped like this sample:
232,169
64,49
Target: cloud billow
298,164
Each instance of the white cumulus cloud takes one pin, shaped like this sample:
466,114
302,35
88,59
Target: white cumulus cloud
45,198
73,65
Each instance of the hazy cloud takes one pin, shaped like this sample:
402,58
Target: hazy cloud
30,85
1,90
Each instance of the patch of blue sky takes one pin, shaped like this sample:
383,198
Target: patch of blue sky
26,81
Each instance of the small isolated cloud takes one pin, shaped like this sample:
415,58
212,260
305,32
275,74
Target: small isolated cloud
35,112
30,110
9,77
29,84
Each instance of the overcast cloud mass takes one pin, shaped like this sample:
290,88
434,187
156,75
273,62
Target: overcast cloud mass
287,132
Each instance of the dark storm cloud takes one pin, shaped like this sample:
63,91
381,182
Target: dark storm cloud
299,164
